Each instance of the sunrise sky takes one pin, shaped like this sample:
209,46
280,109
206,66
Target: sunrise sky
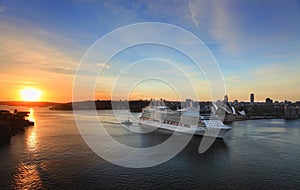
256,44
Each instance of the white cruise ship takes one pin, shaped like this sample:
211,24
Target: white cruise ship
184,120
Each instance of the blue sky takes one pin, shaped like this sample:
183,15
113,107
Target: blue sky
255,43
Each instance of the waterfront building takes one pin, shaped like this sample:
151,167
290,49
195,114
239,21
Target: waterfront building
189,103
269,101
291,112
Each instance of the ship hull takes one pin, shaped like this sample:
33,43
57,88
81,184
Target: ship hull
200,131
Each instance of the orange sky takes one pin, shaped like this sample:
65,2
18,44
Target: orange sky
39,49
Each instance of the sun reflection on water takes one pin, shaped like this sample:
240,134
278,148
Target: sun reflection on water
31,115
27,177
31,138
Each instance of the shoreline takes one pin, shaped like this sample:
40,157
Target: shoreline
12,123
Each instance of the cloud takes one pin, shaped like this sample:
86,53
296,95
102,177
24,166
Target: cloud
216,18
17,82
246,28
33,55
193,15
2,9
174,12
234,79
200,10
103,65
36,50
279,70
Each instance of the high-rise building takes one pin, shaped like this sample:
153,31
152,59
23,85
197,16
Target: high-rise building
226,98
189,102
252,98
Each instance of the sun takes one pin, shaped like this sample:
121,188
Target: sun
31,94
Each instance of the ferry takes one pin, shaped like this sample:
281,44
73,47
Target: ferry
127,122
187,121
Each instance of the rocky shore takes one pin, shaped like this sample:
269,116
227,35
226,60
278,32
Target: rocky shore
12,123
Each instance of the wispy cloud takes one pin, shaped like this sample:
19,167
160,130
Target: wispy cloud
200,10
247,28
249,39
235,80
174,11
279,70
103,65
37,58
17,82
23,50
3,9
216,18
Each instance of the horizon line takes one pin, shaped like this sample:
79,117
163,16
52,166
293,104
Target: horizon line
65,102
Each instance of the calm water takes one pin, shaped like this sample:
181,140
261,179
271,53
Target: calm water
260,154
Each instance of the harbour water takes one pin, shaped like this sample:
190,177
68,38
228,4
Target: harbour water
255,154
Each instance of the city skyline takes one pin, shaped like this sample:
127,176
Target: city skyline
255,44
226,98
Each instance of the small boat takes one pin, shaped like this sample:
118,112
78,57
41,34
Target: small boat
127,122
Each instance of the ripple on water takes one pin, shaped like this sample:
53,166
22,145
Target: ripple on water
52,155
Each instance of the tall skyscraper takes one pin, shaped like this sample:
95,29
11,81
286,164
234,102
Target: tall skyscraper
252,98
226,98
